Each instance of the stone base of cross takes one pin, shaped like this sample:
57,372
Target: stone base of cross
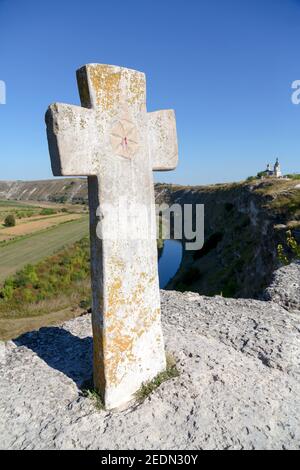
113,141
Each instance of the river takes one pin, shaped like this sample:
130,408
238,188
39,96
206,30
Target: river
169,261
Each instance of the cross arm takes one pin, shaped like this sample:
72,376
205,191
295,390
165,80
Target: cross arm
163,140
71,140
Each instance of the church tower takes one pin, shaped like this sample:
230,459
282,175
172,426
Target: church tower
277,169
269,170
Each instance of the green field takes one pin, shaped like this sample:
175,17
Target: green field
35,247
7,203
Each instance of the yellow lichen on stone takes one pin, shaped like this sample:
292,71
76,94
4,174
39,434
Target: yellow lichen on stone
114,297
118,339
137,88
116,262
105,83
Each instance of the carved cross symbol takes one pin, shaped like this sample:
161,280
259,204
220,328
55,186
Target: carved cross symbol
117,144
124,137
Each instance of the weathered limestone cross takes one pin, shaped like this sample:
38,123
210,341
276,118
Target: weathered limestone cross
117,144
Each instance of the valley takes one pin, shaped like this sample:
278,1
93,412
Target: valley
244,224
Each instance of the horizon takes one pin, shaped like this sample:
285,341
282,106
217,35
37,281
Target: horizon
57,178
228,75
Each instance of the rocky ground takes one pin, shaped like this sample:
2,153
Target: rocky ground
285,287
239,384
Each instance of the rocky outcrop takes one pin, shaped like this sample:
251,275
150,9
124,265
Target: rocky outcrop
285,287
239,383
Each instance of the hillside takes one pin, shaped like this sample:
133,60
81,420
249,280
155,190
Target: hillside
244,223
55,190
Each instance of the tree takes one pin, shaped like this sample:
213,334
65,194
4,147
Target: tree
10,221
261,174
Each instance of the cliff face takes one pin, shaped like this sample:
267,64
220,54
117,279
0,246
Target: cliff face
244,223
55,190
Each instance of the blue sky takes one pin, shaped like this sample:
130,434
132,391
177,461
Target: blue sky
225,66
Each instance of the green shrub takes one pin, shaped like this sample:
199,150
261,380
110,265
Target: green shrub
292,250
60,199
10,220
261,173
294,176
6,292
23,214
56,275
85,303
28,295
47,211
29,213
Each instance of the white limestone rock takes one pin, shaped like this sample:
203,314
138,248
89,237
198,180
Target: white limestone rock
285,287
238,387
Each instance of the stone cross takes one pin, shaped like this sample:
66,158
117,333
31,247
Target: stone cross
113,141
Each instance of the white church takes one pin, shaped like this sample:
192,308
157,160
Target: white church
275,172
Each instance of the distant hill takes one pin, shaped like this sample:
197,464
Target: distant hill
55,190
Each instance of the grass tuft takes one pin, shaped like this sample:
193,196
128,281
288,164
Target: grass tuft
170,373
94,396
